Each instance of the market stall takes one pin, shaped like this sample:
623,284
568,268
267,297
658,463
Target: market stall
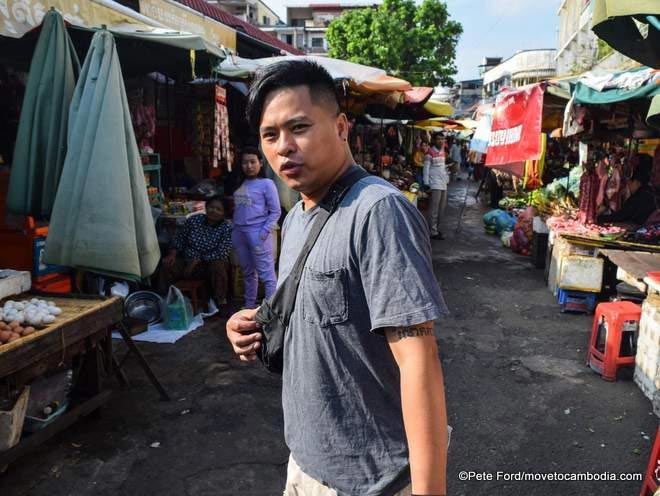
78,340
62,166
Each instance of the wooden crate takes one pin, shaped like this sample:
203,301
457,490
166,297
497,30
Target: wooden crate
11,422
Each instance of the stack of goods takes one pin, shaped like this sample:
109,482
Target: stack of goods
511,203
20,318
521,241
560,196
183,207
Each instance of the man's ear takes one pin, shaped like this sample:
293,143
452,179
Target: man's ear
342,126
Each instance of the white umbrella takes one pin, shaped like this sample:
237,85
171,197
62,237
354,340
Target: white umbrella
237,67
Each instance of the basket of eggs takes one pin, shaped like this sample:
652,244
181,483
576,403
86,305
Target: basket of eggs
22,318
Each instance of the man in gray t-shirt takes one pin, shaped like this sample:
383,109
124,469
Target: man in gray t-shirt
362,389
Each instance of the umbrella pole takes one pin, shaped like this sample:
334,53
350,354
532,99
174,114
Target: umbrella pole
170,165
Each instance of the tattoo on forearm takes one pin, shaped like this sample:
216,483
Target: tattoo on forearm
413,331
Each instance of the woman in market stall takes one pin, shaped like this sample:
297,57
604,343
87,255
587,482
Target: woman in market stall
256,213
201,250
642,202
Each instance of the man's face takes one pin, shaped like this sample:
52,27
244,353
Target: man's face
425,147
303,141
439,142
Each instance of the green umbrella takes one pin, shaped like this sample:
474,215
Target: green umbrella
631,27
101,218
41,140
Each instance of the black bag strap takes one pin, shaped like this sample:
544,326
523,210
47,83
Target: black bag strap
284,299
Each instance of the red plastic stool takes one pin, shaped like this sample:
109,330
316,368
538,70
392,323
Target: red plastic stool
613,341
650,485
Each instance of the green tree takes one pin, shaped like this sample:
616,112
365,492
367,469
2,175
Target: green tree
414,42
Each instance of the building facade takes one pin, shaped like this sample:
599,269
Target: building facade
307,24
255,12
577,45
578,48
524,67
466,96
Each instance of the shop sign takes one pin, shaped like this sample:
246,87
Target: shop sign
17,17
516,126
184,19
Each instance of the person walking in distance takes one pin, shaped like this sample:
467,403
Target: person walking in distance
436,178
362,384
256,212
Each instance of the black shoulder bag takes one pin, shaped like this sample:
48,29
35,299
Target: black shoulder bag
274,314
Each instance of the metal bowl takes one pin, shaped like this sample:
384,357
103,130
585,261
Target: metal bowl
144,305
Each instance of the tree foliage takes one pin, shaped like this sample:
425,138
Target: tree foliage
414,42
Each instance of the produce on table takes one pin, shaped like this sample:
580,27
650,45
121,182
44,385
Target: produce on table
568,225
34,312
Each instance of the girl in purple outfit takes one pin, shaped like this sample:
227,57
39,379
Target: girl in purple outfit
256,212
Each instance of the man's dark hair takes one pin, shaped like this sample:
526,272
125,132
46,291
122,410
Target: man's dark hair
215,198
251,150
287,74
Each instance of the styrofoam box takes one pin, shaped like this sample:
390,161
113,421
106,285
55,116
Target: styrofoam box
645,383
580,273
649,323
647,360
561,248
13,282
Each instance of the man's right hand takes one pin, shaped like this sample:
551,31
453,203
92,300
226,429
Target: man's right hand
244,334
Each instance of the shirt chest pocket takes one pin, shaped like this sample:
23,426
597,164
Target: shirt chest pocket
325,297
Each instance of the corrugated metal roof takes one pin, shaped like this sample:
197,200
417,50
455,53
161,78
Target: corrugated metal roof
238,24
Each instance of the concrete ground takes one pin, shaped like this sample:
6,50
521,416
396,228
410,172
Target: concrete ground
519,397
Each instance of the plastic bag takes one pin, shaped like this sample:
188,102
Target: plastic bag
497,221
506,238
178,310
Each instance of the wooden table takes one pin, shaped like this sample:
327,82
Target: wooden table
80,336
633,266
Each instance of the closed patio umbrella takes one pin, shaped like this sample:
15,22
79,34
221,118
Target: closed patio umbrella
101,218
42,129
631,27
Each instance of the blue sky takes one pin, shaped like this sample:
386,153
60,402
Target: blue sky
499,28
496,28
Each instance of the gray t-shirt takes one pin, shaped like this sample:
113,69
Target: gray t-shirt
370,268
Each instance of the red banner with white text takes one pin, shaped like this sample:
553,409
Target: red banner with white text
514,134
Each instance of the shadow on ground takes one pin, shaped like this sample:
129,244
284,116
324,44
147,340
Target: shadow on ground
519,398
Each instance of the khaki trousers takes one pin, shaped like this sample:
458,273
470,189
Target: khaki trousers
298,483
437,207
